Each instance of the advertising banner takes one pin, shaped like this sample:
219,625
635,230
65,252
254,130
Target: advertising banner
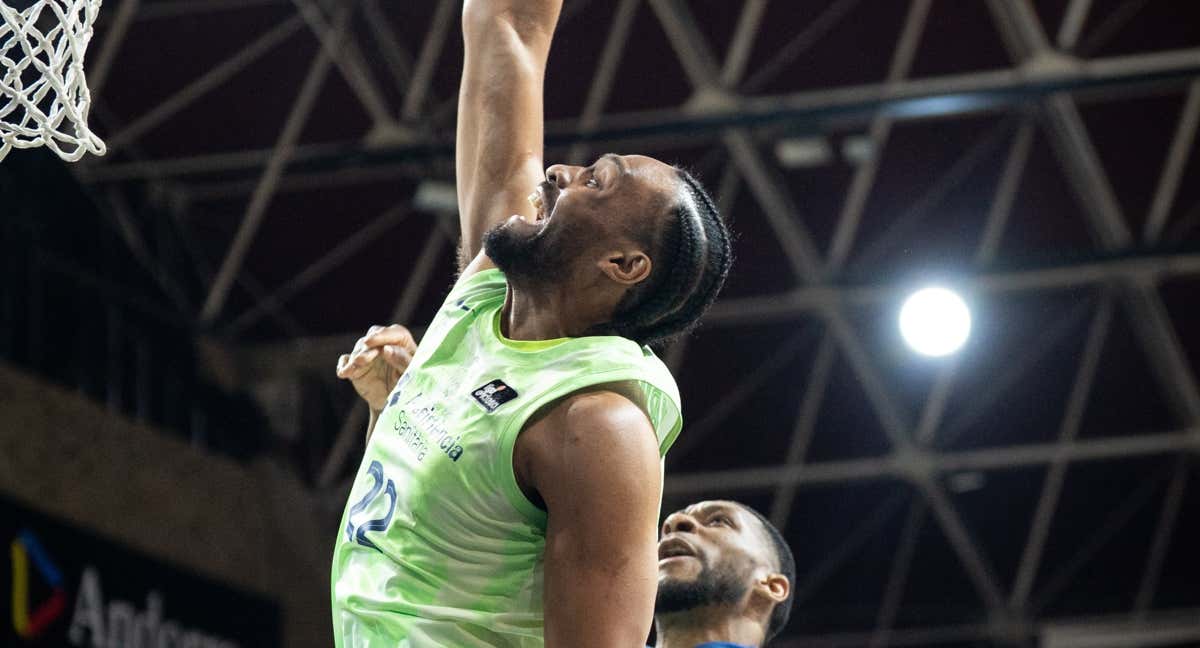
62,587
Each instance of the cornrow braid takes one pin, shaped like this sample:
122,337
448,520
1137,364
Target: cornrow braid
694,249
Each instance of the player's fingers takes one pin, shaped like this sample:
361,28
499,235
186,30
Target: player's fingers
399,336
342,362
360,367
364,357
361,362
398,357
394,334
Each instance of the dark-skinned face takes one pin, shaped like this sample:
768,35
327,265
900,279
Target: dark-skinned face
710,554
583,213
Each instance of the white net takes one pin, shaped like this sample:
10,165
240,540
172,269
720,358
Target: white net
44,98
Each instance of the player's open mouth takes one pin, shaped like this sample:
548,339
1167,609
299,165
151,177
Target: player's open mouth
543,199
675,548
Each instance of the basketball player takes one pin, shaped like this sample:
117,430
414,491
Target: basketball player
509,494
725,578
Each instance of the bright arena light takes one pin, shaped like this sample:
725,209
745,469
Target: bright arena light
935,321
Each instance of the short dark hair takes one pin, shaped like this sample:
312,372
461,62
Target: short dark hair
787,567
692,256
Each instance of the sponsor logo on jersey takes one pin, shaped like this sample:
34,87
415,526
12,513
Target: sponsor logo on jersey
493,395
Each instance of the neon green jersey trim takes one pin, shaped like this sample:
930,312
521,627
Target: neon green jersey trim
523,345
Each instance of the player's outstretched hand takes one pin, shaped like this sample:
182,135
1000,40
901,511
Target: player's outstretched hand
377,361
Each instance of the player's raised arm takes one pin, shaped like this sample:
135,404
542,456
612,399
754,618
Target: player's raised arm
498,152
596,466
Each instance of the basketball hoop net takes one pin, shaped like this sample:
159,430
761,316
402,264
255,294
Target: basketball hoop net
44,98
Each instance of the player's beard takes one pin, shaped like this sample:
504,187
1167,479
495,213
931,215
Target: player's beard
526,260
713,586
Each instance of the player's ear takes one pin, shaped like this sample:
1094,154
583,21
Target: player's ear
626,267
775,587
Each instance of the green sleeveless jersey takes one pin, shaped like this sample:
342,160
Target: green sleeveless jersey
438,546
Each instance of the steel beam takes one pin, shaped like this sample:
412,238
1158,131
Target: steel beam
881,127
330,260
691,50
1005,195
348,60
918,98
866,528
743,41
431,49
398,60
284,145
351,430
1168,182
1162,346
749,385
876,468
308,182
418,278
805,427
132,236
1039,528
980,572
812,33
219,74
898,574
1120,513
906,223
1164,532
777,206
1110,26
98,69
1013,372
606,72
292,357
930,98
809,301
1026,41
1180,628
1072,24
166,9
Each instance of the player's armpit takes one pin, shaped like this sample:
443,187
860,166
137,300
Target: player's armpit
594,462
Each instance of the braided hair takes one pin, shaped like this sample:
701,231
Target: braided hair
691,260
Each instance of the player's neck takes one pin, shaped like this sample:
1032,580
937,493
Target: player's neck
541,315
694,627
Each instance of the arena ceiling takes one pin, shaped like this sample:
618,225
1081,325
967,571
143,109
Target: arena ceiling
1038,155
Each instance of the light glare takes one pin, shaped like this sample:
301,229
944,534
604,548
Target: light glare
935,322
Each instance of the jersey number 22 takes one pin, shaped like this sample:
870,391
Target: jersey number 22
358,534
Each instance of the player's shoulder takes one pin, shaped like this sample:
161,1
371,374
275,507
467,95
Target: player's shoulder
608,408
597,425
607,415
602,404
